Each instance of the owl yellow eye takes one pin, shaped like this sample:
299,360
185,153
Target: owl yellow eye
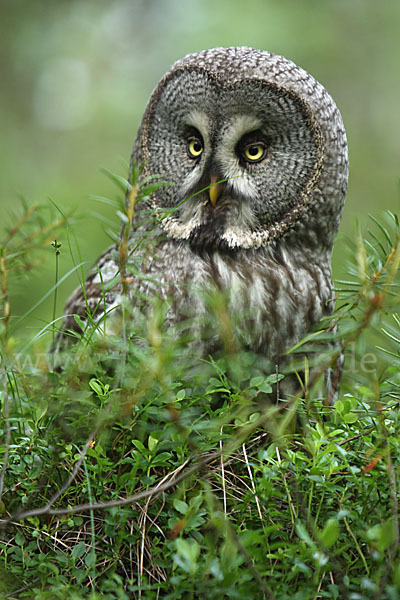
194,147
255,152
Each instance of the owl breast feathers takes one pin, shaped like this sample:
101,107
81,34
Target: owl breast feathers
256,154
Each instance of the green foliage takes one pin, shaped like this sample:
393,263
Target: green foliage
141,472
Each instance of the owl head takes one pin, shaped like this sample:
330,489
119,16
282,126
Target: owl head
254,147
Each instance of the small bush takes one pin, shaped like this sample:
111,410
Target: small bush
139,471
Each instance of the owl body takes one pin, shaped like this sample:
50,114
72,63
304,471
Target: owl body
272,297
256,154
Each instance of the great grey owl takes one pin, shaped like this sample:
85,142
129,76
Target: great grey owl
255,151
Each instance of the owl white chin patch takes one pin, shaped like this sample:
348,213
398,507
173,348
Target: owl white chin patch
178,230
232,237
243,238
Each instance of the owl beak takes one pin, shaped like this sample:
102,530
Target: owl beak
215,189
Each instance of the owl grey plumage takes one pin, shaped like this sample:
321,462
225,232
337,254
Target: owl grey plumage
256,152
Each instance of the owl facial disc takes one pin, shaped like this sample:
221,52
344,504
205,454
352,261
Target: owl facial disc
252,145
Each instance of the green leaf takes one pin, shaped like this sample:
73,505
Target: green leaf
303,534
261,383
122,216
153,187
180,506
350,417
338,406
90,559
138,444
188,552
330,533
19,539
382,228
152,443
80,575
228,555
180,395
121,182
265,387
105,200
78,550
382,535
334,590
256,381
160,459
80,322
96,387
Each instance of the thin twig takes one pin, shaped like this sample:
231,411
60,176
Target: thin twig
355,437
357,545
143,527
56,245
291,503
155,491
253,485
262,421
46,509
223,472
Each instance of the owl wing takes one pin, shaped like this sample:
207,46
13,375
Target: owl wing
92,302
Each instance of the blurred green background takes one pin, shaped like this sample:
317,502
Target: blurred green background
76,75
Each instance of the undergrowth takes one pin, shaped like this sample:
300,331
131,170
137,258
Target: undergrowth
141,472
